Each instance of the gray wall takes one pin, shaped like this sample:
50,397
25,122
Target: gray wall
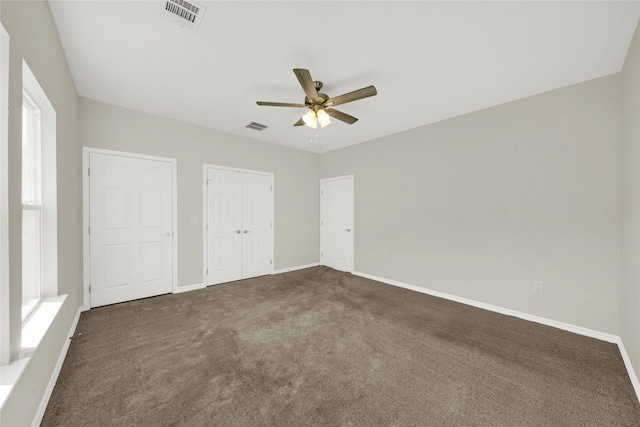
296,188
630,271
33,37
488,202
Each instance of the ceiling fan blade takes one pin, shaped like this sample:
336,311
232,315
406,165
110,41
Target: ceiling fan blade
304,77
299,123
341,116
365,92
279,104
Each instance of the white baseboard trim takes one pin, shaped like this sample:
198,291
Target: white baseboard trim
299,267
627,362
188,288
530,317
542,320
197,286
56,371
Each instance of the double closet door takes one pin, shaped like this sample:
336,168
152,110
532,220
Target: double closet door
238,225
130,206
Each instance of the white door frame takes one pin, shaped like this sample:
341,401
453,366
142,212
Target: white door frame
204,214
86,252
353,227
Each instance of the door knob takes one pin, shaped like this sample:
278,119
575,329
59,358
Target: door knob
247,231
166,234
347,230
237,231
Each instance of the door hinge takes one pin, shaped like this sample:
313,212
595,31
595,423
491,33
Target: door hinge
322,193
270,261
321,224
89,171
207,271
271,225
89,288
321,254
89,230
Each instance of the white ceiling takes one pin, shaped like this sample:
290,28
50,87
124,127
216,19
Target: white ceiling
428,60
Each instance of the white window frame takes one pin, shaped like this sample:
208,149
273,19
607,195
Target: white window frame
48,180
5,331
34,131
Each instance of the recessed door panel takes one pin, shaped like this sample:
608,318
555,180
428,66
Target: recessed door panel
151,174
116,171
152,261
116,207
151,208
117,266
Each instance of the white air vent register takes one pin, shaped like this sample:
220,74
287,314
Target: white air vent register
257,126
187,14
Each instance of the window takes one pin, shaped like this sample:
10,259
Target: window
4,198
39,196
31,206
39,284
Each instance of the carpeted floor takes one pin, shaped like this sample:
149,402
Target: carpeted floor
325,348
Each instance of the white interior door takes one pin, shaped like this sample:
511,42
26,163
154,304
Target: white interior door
131,228
224,226
336,223
257,222
239,225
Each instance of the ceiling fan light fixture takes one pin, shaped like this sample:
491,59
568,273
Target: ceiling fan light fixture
323,117
310,119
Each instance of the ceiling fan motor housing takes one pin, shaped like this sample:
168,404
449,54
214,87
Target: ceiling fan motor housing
322,98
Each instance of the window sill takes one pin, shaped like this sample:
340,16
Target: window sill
33,330
28,308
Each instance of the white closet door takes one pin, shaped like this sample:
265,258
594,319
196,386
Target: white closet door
224,219
239,225
336,223
131,228
257,222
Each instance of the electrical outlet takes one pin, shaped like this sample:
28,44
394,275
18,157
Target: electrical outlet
537,286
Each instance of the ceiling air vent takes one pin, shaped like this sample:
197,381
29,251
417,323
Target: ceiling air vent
187,14
257,126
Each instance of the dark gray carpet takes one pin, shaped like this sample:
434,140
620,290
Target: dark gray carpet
325,348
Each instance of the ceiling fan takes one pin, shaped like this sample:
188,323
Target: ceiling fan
319,103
